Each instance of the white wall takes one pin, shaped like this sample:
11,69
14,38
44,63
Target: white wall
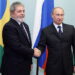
69,9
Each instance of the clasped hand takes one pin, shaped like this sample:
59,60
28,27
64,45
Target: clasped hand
37,52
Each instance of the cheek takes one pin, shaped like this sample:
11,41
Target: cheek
62,18
17,15
56,19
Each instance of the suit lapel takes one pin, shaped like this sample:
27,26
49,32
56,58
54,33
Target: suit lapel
64,31
28,37
21,31
54,31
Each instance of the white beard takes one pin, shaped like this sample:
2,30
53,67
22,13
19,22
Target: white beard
20,19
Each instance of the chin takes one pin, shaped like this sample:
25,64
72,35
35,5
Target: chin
59,23
21,20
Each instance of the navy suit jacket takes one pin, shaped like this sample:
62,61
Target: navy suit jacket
18,53
59,49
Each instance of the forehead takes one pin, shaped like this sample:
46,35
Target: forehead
19,7
58,10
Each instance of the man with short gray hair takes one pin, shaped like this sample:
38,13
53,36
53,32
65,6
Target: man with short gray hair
17,58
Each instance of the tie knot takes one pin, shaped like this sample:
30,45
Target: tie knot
59,27
22,25
59,31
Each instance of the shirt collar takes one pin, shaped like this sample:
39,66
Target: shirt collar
56,26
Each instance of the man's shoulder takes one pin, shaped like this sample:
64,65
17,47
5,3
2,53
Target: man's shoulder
68,25
10,24
26,25
49,27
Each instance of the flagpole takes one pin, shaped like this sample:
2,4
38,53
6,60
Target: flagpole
37,68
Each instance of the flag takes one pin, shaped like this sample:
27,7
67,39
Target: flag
4,17
42,19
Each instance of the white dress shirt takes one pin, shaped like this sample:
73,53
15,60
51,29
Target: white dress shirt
56,27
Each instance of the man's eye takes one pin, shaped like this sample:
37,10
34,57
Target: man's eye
58,14
19,11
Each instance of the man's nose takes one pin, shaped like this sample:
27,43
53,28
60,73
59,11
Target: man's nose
22,12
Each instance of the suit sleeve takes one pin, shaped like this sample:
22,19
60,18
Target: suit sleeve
73,44
42,43
11,40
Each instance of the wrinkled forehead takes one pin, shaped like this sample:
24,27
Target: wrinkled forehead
19,6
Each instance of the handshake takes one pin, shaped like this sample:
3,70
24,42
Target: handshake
37,52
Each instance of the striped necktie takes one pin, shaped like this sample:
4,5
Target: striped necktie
25,30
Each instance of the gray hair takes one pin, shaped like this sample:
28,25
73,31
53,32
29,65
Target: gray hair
14,5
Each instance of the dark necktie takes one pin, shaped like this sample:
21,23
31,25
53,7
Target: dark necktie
60,32
24,29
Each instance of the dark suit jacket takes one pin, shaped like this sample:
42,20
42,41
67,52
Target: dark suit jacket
18,54
59,60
